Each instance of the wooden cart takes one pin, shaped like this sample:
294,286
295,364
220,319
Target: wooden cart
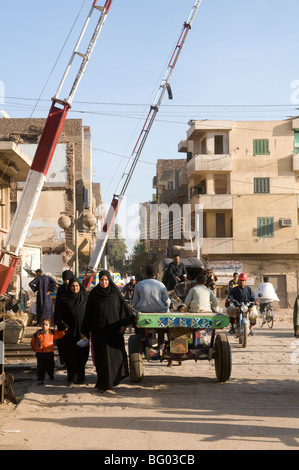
180,337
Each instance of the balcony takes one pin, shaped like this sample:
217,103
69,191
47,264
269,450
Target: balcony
216,202
199,128
183,180
209,163
183,146
296,162
217,246
13,161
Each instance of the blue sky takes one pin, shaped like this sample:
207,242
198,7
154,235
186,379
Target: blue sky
239,62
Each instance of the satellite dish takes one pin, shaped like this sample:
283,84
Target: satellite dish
4,114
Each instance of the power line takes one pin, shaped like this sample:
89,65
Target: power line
109,103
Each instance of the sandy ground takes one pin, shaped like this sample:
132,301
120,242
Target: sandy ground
177,408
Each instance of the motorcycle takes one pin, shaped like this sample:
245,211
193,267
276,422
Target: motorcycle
242,313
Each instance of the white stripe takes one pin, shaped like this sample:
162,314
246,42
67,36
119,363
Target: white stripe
25,210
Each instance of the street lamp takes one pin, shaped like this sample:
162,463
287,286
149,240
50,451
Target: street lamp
64,222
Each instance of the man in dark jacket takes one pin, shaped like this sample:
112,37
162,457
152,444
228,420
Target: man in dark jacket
243,293
176,272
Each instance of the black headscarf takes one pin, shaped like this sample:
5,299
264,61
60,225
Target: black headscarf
63,288
67,274
71,308
106,306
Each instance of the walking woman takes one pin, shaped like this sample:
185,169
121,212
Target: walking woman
106,317
70,313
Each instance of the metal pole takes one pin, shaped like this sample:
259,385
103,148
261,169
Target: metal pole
76,244
132,162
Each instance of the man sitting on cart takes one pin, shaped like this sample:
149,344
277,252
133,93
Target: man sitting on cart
200,298
150,295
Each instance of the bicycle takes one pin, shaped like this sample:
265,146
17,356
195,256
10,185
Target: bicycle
267,315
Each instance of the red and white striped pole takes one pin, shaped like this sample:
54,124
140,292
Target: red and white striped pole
44,153
36,178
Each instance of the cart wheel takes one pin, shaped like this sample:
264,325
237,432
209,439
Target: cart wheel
223,362
135,358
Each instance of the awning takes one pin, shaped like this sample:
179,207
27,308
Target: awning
13,161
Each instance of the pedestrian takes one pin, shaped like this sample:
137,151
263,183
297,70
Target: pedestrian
106,317
151,295
43,285
62,290
42,342
70,313
128,290
233,282
265,294
67,275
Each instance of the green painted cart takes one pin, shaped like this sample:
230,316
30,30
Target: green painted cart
179,337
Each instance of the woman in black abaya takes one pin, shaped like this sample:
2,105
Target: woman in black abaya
70,313
106,317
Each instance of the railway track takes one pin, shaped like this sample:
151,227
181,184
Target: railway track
22,352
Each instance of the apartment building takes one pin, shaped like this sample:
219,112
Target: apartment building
159,229
246,177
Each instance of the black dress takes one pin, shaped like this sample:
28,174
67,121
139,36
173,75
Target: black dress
70,312
106,311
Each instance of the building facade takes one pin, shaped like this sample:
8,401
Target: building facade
160,221
246,177
68,190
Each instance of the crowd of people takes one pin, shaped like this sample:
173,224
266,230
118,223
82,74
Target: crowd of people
99,318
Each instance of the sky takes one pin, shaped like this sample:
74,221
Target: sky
239,62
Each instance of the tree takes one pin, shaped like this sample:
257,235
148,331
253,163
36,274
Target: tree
139,255
116,250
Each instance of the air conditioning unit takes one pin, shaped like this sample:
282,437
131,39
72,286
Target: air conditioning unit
285,222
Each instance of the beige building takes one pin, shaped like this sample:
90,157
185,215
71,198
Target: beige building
158,232
246,176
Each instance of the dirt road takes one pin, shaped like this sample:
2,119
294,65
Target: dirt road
177,408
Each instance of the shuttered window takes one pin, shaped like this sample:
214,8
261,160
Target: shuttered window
261,185
265,227
296,140
261,147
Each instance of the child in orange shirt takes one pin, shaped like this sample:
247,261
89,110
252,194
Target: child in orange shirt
42,343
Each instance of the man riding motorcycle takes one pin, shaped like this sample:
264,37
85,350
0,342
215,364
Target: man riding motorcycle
242,293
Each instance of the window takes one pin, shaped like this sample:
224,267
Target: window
261,147
261,185
220,225
265,227
296,140
203,146
218,140
221,184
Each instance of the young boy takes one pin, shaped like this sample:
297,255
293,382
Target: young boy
42,343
